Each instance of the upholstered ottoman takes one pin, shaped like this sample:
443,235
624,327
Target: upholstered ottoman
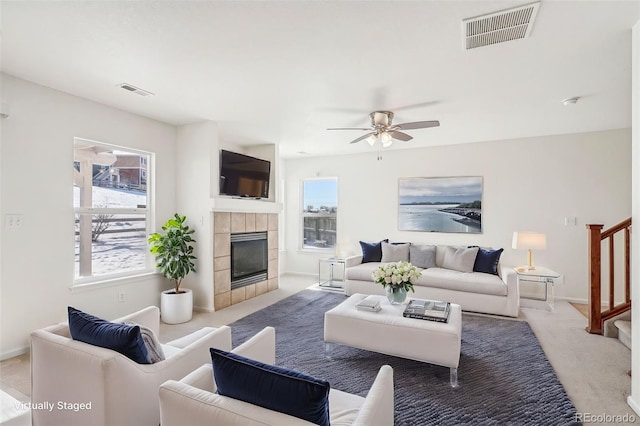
388,332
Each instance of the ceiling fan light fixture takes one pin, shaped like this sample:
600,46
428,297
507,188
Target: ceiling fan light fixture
384,131
386,139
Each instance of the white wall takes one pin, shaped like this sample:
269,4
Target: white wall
634,398
529,184
36,176
197,153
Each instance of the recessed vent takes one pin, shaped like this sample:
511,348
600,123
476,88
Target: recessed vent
499,27
135,89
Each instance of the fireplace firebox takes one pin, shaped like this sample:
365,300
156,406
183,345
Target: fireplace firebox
249,258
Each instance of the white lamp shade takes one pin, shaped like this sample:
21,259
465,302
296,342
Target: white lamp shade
529,240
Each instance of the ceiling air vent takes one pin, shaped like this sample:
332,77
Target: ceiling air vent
499,27
135,89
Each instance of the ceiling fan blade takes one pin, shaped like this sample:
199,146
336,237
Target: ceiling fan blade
417,125
400,136
350,128
362,137
415,106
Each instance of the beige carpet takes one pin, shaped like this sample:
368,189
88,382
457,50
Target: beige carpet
592,368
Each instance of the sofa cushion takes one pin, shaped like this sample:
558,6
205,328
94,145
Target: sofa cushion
487,261
372,252
271,387
422,256
441,250
460,259
470,282
362,272
122,338
396,252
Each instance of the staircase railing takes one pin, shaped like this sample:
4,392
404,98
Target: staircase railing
597,316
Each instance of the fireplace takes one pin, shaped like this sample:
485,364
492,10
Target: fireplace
244,226
249,258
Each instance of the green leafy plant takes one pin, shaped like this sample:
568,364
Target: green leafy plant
174,250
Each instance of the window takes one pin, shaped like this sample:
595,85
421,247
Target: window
319,212
111,208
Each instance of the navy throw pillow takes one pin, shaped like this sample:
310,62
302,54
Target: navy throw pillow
122,338
372,252
487,261
271,387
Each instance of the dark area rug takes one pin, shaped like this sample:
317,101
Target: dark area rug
504,376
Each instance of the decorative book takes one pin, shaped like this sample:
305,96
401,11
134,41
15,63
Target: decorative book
369,303
431,310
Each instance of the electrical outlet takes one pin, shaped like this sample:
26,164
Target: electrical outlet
121,296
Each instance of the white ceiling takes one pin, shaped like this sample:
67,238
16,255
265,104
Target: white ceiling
283,71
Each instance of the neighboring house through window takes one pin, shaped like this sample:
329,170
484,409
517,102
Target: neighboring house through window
112,211
319,213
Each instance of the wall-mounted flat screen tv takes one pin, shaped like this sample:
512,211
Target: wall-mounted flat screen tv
243,176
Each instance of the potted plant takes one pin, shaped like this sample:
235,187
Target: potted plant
174,256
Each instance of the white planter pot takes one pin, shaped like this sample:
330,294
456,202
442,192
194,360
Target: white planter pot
176,308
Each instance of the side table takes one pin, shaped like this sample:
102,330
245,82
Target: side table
536,287
331,272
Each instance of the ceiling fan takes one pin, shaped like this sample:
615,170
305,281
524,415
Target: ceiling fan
383,130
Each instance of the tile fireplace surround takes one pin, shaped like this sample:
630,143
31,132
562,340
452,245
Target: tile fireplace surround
225,224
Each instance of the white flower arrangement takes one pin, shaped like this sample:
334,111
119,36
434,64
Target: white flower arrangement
396,275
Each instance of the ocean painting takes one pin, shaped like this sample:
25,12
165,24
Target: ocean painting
440,204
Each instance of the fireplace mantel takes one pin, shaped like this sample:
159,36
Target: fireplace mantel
226,204
231,222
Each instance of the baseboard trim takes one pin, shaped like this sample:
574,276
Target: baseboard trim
306,274
14,353
573,300
633,404
203,309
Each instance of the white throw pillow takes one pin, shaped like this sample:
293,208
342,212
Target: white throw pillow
395,252
461,259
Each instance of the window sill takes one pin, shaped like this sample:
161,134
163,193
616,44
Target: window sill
90,284
323,251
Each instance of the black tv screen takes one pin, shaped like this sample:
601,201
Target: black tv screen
243,176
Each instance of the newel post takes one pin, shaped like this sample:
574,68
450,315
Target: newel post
595,302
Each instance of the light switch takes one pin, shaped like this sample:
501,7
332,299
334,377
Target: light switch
13,221
570,221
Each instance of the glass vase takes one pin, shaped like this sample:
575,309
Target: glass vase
396,295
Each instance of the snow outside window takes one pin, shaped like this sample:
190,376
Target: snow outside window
111,211
319,213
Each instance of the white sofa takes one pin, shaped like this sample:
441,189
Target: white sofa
120,391
193,401
473,291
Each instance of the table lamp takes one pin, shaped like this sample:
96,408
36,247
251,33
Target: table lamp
529,241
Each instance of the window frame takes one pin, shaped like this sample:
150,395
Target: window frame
148,211
301,245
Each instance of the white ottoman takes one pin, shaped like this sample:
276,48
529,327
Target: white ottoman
388,332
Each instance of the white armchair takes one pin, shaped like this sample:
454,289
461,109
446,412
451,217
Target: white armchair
193,401
114,389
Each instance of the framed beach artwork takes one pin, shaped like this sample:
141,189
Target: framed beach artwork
440,204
